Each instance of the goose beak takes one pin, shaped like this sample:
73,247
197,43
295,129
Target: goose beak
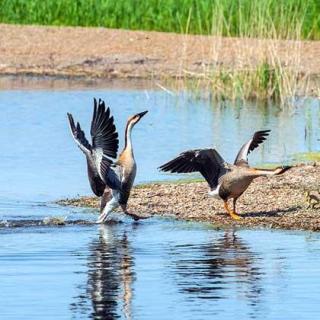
140,115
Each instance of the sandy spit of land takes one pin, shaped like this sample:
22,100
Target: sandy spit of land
279,202
109,53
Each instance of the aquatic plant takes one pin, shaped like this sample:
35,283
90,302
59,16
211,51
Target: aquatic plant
264,75
265,82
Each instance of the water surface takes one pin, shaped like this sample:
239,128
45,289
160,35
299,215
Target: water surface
158,269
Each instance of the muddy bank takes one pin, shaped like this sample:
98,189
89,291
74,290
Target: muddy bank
291,201
109,53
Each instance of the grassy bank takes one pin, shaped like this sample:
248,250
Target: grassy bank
217,17
263,76
274,80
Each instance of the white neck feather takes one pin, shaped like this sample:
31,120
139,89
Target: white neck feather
128,141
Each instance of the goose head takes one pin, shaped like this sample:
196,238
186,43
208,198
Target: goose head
136,118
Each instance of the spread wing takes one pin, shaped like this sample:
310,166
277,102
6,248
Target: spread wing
104,143
78,135
206,161
254,142
103,131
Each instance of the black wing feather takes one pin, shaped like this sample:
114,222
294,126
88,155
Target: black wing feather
206,161
258,138
103,130
78,133
253,143
110,177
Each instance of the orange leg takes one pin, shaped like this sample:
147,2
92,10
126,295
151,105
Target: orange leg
233,215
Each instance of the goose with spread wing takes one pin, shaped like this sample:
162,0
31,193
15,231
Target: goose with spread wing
111,180
226,181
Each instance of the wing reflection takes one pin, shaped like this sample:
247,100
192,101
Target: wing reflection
108,291
207,270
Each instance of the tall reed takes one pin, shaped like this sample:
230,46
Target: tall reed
270,75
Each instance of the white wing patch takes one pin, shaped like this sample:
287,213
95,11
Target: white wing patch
97,156
215,192
244,154
79,144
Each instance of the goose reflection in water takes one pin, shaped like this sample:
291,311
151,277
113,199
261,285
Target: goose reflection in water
108,292
205,271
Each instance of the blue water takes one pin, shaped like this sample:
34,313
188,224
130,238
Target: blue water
157,268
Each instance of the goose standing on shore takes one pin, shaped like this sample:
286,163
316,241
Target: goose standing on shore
112,181
226,181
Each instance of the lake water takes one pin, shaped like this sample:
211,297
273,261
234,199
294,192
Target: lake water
157,268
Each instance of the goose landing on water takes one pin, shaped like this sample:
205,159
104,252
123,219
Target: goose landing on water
112,181
226,181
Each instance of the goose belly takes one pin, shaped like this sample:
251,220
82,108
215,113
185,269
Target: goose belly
127,183
234,187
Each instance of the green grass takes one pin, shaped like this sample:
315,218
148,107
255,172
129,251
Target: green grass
220,17
267,81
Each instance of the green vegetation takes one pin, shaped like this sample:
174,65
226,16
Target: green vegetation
193,178
307,156
267,81
219,17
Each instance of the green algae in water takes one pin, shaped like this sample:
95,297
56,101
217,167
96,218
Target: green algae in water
307,156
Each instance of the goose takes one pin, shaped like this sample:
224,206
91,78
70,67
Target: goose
226,181
110,180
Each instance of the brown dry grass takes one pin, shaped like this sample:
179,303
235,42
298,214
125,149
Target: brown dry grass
278,202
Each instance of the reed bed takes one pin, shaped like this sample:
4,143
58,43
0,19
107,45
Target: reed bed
273,82
266,34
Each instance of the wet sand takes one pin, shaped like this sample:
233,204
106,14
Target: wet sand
282,202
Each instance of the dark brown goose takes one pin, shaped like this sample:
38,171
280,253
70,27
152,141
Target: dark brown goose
226,181
111,180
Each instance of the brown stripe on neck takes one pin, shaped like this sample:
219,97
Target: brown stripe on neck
126,135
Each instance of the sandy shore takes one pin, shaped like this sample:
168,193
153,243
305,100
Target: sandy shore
278,202
108,53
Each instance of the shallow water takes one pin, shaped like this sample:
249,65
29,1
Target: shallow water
158,268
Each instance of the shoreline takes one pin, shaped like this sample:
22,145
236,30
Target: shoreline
108,54
275,203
